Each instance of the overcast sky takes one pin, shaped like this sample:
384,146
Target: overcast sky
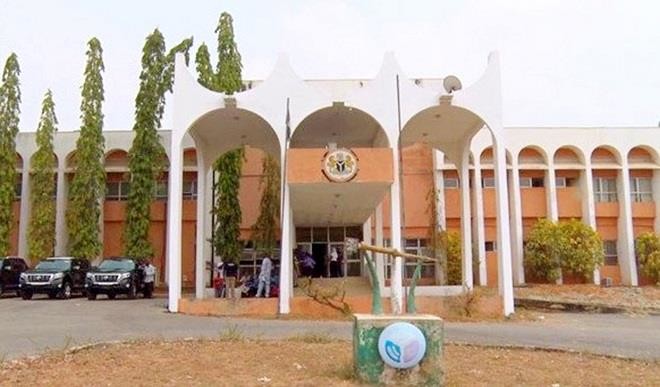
564,63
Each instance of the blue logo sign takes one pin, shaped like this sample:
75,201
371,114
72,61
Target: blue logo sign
401,345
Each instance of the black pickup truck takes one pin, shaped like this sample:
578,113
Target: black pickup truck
116,275
56,277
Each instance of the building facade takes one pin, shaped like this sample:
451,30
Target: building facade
346,148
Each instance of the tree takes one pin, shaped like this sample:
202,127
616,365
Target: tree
227,208
88,184
570,246
647,248
41,242
226,79
10,99
264,230
147,157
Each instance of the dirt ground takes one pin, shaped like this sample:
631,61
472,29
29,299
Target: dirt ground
626,297
306,361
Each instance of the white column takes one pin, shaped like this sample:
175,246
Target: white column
503,238
24,216
61,234
380,261
366,237
200,235
208,223
396,283
466,230
551,192
515,209
286,254
626,236
478,222
174,209
439,181
589,205
656,199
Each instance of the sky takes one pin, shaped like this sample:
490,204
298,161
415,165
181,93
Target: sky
564,63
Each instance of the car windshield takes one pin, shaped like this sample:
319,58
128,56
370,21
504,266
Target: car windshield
117,265
54,264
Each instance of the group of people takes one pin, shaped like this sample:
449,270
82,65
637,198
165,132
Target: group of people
227,274
306,265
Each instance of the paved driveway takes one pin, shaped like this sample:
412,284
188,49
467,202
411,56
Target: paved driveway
29,327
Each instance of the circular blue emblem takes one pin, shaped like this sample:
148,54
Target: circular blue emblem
401,345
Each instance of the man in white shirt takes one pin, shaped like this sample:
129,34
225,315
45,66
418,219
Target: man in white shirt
264,277
149,277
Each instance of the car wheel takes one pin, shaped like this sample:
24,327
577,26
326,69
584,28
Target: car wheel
112,296
2,289
91,296
26,294
66,290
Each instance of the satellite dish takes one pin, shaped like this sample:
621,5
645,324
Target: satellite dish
451,83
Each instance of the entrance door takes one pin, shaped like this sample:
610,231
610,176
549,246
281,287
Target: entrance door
319,252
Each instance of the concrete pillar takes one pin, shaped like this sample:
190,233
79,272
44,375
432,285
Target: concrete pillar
479,235
438,179
655,184
286,260
200,235
366,237
61,234
380,261
396,282
551,192
515,209
174,210
24,220
208,222
466,231
589,204
626,236
503,238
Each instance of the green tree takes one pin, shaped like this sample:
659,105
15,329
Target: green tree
88,184
41,235
227,208
226,79
10,99
647,248
570,246
147,157
264,230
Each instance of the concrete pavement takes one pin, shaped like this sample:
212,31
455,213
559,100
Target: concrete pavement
30,327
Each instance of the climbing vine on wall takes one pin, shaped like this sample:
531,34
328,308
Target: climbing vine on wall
264,230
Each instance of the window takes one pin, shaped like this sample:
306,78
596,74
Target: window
610,250
160,190
640,189
525,182
18,190
488,182
605,189
560,182
450,183
490,246
531,182
417,247
189,190
117,190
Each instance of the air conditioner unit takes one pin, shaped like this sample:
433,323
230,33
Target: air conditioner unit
606,282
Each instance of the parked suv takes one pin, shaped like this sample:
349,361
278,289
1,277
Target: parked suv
117,275
10,273
56,276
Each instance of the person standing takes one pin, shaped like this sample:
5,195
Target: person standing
264,277
149,278
231,271
219,280
334,263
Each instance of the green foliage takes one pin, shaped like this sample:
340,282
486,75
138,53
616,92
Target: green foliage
147,157
10,99
647,247
444,245
570,246
41,235
264,230
88,184
227,76
227,208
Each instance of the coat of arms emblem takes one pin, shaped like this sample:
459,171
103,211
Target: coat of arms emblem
340,165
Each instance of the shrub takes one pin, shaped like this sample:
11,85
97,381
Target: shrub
541,251
647,247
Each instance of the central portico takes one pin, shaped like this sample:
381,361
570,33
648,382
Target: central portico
339,150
